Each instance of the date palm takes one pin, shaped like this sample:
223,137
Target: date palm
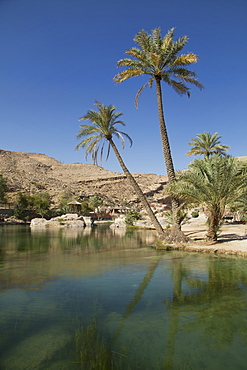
207,144
157,57
101,130
213,182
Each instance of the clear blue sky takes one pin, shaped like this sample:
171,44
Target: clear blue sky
57,57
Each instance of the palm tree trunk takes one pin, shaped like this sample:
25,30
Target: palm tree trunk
167,157
138,191
164,136
214,219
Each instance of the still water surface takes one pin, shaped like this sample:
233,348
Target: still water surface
102,299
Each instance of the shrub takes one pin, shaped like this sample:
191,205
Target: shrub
3,189
85,208
132,216
195,214
41,203
244,217
27,204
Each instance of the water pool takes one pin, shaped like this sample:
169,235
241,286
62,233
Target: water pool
103,299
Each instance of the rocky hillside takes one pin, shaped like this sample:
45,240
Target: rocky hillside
34,172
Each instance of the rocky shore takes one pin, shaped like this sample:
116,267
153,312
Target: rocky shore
232,239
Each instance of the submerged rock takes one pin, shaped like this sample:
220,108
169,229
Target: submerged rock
34,351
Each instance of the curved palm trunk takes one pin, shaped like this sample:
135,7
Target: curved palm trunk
138,191
176,233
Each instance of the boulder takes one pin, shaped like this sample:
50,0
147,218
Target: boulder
38,222
68,220
119,222
87,220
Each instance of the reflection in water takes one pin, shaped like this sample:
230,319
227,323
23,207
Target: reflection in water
142,308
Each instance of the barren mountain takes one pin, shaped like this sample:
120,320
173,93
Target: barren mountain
35,172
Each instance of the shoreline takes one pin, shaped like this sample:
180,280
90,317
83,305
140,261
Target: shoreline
232,240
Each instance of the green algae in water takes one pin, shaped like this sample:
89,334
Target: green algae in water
94,350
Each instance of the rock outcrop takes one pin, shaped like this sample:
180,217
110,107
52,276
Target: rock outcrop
119,223
68,220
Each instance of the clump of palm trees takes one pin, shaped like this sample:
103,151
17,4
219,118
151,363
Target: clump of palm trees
158,58
214,181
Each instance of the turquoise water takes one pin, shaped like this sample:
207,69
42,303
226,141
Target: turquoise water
99,299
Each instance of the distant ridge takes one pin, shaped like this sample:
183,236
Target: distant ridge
35,172
242,158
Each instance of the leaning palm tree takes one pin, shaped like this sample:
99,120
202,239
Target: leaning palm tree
157,57
206,144
213,182
101,129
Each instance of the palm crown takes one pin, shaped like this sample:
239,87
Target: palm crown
157,57
102,128
207,144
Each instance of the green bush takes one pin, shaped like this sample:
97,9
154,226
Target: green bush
86,209
244,217
195,214
27,205
41,203
63,201
3,189
132,216
95,202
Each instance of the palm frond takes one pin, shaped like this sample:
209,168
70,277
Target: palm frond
149,82
128,73
123,135
156,39
180,72
135,53
179,87
143,40
178,45
167,40
185,59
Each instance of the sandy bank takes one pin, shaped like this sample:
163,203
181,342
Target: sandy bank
232,239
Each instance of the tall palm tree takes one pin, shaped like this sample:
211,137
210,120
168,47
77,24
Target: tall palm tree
101,129
213,182
207,144
157,57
